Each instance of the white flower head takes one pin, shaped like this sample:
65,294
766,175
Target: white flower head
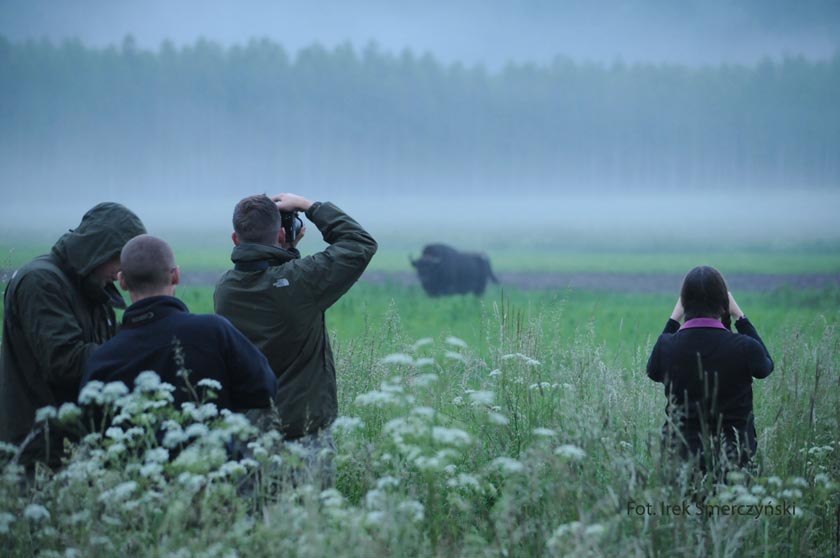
332,498
91,393
115,433
735,476
386,482
413,509
425,380
456,342
232,469
68,412
422,343
570,452
191,481
498,418
112,391
210,383
375,398
45,413
426,463
822,478
480,397
174,437
6,519
119,493
450,436
157,455
747,499
398,358
524,358
202,413
374,519
197,430
466,481
545,432
507,465
375,499
347,424
423,412
151,470
36,512
147,381
116,449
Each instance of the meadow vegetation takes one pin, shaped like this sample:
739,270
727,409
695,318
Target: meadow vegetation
799,257
517,424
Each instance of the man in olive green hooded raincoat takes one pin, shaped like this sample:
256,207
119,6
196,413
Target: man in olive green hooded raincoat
58,309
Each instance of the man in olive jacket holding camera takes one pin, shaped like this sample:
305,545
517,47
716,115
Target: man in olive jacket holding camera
278,299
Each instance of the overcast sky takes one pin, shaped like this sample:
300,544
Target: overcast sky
473,31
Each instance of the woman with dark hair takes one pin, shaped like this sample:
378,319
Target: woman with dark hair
708,372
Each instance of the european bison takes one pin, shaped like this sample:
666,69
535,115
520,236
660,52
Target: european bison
444,270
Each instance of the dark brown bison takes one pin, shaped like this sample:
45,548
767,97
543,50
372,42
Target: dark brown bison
444,270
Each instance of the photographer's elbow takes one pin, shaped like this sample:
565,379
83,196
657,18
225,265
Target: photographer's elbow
764,370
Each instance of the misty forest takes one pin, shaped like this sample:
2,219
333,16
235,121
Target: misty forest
363,118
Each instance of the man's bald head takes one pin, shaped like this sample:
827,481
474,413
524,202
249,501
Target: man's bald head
147,266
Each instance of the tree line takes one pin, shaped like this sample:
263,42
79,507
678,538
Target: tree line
202,115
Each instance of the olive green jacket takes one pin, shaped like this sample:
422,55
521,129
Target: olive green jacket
281,310
55,316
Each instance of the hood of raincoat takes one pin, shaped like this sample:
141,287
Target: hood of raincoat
100,236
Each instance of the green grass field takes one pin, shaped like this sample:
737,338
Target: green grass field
536,434
798,259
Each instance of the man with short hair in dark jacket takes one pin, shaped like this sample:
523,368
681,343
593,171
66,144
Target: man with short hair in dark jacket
157,326
278,299
58,309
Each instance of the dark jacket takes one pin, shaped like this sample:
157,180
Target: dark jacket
278,299
55,316
708,374
155,327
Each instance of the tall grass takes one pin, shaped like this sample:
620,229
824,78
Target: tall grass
508,426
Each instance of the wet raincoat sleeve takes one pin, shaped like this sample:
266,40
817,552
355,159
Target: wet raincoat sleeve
331,273
53,333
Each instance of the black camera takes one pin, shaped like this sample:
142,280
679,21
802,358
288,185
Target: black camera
291,224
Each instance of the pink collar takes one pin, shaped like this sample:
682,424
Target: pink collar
703,322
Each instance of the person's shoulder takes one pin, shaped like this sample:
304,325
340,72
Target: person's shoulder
214,327
745,341
206,321
233,282
225,277
38,277
41,268
668,336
